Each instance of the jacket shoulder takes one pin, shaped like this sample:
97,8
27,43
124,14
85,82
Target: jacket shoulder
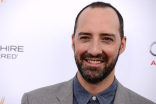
126,96
44,95
138,99
53,89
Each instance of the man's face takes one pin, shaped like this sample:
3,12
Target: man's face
97,43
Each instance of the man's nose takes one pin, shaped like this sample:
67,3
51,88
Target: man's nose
95,48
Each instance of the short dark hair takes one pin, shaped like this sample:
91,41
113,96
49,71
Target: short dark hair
103,5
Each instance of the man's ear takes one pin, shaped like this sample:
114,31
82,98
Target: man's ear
73,42
123,45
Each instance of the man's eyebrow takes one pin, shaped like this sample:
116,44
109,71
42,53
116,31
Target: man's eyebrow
107,34
84,33
102,34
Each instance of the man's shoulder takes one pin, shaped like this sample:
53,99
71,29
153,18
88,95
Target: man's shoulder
52,89
138,98
47,94
128,96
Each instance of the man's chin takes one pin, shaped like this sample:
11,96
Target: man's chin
93,76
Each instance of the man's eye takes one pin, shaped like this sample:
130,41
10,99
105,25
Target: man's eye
106,38
84,37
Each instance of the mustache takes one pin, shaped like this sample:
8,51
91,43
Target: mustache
98,56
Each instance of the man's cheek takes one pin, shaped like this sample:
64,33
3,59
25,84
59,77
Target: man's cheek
110,54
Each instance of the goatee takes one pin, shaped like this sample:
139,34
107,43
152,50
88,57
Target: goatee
95,74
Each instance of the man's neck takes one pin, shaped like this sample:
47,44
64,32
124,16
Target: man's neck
95,89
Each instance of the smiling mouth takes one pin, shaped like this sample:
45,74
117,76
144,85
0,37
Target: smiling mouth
94,61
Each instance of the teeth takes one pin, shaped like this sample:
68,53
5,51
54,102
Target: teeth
94,62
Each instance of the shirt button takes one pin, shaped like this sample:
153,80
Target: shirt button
94,98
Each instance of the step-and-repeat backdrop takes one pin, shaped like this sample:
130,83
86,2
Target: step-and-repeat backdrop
35,45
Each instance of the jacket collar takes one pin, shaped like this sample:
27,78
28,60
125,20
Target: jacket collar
122,95
65,95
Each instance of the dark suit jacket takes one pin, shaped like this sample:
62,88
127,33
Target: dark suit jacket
62,93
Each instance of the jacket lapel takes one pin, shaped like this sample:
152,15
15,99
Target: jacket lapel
65,95
122,95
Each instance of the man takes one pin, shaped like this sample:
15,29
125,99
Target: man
97,42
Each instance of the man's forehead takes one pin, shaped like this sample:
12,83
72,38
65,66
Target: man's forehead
104,12
99,18
100,9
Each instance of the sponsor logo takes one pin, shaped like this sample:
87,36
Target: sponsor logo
2,1
153,51
2,100
153,63
10,52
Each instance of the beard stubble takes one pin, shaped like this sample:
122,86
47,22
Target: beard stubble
95,75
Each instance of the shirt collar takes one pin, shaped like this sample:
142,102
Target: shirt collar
83,96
